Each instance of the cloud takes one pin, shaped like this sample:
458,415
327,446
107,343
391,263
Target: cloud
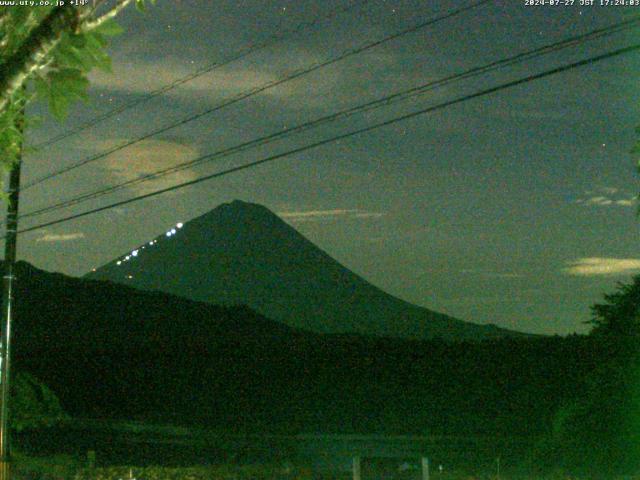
315,215
368,215
591,266
133,78
319,89
598,201
60,237
147,157
603,200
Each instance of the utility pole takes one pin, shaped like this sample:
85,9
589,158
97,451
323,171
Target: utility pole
10,249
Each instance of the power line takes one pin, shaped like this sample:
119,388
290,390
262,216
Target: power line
343,136
254,91
380,102
271,40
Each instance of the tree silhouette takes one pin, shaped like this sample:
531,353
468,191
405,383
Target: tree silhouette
597,433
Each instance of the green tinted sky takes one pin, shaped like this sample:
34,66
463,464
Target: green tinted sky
516,208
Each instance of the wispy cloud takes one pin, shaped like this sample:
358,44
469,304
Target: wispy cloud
60,237
315,215
592,266
596,201
147,157
133,78
368,215
607,196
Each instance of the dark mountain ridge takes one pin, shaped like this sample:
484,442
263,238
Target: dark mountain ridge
110,351
242,253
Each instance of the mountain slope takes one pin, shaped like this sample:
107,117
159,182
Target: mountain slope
241,253
111,351
115,352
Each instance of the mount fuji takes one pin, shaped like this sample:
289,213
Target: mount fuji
243,253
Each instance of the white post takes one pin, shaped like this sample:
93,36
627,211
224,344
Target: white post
356,468
425,468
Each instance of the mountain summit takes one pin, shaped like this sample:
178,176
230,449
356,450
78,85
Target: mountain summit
242,253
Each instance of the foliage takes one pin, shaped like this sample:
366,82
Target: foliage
597,432
58,467
33,404
64,468
245,373
222,472
46,52
618,318
11,132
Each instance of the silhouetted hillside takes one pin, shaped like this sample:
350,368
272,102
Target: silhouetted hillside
242,253
111,351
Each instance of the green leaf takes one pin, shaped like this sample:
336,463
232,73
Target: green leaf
66,86
140,6
22,17
95,51
110,28
77,40
83,52
41,86
67,56
99,39
58,106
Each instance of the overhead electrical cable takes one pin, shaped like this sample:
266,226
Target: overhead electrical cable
271,158
269,41
378,103
256,90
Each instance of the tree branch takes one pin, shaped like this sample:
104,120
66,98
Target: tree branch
34,50
4,15
91,24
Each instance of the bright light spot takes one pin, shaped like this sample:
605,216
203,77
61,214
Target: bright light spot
173,231
129,276
119,262
134,253
151,242
179,225
127,257
168,234
93,269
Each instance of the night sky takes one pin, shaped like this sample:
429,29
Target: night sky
516,208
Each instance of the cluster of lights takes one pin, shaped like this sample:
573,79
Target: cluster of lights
134,253
173,230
